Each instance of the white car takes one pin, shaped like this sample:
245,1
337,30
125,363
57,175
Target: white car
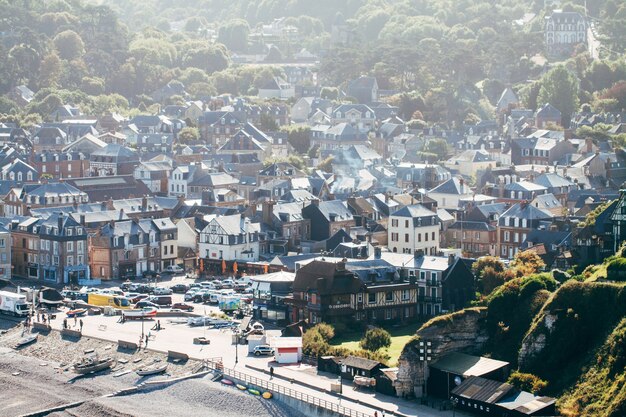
162,291
174,269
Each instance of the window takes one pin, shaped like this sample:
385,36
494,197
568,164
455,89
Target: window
70,260
2,243
389,296
422,275
406,223
359,298
394,237
388,314
507,236
433,276
419,237
406,238
70,246
394,222
426,237
405,295
68,231
433,236
371,297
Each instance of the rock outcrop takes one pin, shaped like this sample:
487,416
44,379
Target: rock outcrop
462,331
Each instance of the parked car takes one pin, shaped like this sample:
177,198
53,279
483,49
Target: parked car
149,274
182,306
189,295
126,285
195,285
228,283
263,350
162,291
174,269
136,297
144,303
179,288
162,300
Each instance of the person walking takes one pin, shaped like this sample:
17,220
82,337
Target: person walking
65,323
75,320
81,325
271,372
147,337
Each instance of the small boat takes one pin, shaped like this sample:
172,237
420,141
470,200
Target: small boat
89,365
253,391
26,340
79,312
151,370
137,313
267,395
227,382
242,387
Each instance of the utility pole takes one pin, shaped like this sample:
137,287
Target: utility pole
425,353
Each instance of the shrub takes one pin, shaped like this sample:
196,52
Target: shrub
527,382
325,330
616,270
375,339
314,344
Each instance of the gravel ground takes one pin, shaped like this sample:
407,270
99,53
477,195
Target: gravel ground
43,380
190,398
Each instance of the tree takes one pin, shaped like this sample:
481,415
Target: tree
325,330
267,123
327,164
50,71
559,87
188,135
299,137
438,147
375,339
525,263
69,45
490,279
234,34
7,105
329,93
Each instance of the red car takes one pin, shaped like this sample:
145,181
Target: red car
182,306
136,298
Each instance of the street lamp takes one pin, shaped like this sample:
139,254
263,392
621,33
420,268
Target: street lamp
236,348
425,352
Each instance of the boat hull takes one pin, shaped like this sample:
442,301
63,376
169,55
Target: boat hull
101,366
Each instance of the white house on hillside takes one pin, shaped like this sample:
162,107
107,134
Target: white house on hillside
413,228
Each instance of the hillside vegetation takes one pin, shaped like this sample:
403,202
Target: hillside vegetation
570,335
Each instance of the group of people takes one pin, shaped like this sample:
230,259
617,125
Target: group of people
76,322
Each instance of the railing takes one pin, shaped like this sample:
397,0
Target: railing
217,364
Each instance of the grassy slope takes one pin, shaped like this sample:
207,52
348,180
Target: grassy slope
400,336
601,391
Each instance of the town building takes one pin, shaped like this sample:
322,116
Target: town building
414,228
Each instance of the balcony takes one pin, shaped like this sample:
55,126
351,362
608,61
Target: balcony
427,299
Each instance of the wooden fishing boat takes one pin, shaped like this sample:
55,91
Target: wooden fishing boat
26,340
138,313
253,391
242,387
267,395
227,382
78,312
152,370
362,381
89,365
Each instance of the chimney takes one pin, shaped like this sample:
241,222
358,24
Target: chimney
419,253
377,252
121,214
451,259
341,265
60,221
588,145
268,211
82,219
144,202
315,202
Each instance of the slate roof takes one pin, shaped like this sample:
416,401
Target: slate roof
524,186
116,151
452,186
524,211
551,179
548,111
360,363
471,225
337,207
336,282
414,211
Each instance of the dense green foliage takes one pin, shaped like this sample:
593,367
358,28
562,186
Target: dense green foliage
375,339
510,311
527,382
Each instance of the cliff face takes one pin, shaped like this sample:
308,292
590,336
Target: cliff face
462,331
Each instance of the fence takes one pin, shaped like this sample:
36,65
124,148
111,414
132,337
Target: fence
216,363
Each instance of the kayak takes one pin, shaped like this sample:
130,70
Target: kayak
267,395
253,391
242,387
77,313
227,382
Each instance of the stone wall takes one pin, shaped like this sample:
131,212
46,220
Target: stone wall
462,331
